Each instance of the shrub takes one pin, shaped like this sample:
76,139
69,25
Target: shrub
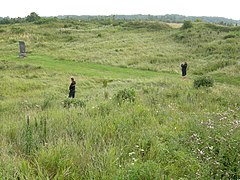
187,24
43,21
229,36
68,103
125,95
105,83
204,81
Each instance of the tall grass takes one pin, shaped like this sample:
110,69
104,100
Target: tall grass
133,116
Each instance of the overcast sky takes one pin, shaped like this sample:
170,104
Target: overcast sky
22,8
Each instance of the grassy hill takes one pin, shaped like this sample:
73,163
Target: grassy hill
133,116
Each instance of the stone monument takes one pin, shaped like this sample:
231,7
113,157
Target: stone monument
22,48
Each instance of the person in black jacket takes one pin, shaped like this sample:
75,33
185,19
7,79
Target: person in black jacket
184,70
72,88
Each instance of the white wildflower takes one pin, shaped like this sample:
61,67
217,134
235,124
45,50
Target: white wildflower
131,153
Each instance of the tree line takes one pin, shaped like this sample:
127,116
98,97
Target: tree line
170,18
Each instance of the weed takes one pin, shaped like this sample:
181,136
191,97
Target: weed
68,103
125,95
203,81
229,36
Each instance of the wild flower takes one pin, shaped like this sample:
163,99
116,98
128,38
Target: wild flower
198,173
131,153
210,126
201,152
223,118
134,159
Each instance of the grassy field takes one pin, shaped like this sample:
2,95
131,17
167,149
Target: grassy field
133,116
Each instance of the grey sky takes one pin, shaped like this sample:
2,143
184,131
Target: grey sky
220,8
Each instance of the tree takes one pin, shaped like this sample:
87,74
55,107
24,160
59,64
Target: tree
33,17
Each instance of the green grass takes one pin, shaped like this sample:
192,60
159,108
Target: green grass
170,131
87,69
223,78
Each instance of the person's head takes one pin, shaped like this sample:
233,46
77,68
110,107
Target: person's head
185,62
72,79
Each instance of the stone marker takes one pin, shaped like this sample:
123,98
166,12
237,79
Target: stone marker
22,49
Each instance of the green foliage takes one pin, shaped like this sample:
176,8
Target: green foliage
203,81
187,25
44,20
125,95
34,135
198,20
72,102
229,36
105,83
33,17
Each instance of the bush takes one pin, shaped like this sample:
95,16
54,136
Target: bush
125,95
229,36
187,24
67,103
204,81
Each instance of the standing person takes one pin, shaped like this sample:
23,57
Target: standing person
184,69
72,88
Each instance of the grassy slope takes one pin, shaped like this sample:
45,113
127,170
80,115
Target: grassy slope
171,131
87,69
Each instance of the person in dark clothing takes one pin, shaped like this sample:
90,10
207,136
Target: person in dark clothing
184,70
72,88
